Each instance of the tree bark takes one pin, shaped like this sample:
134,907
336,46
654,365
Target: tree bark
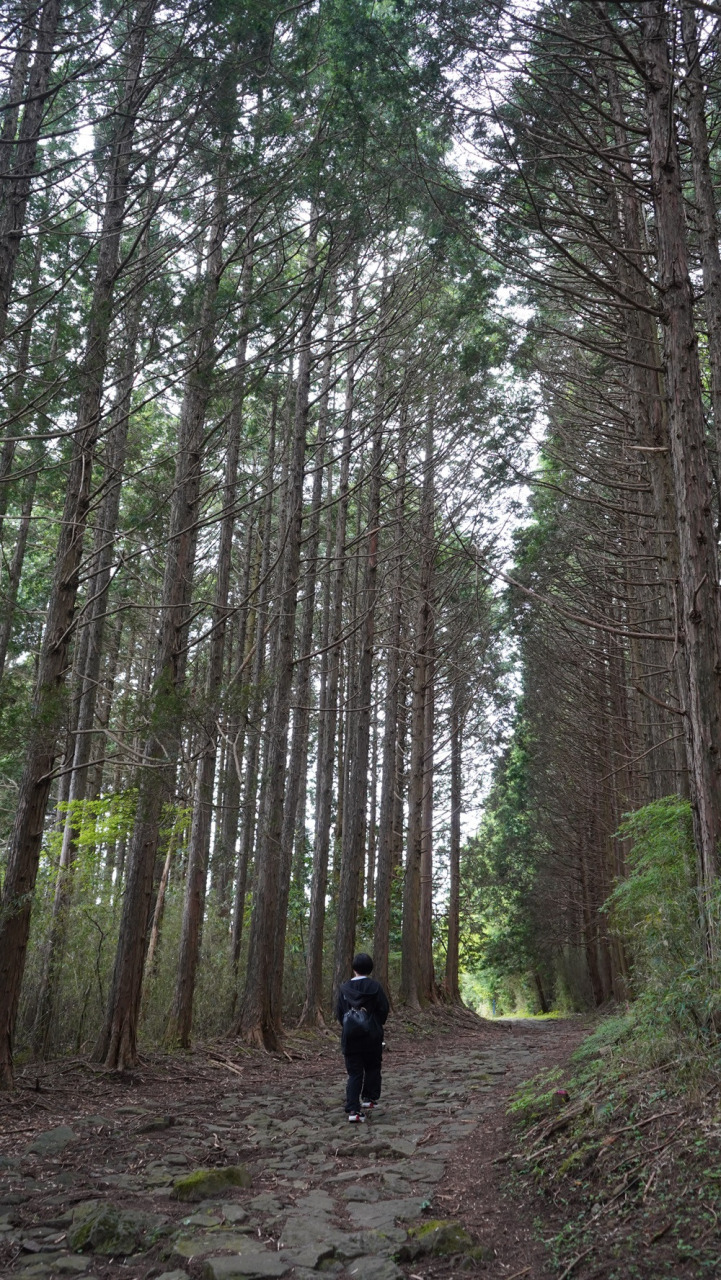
372,841
705,199
91,638
649,423
257,1023
689,459
452,988
386,863
400,781
297,763
312,1014
253,730
426,967
10,594
181,1015
411,990
15,189
352,847
410,939
427,974
16,409
16,86
47,714
159,910
117,1043
223,866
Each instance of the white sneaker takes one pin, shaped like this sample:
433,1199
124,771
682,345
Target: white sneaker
368,1106
355,1118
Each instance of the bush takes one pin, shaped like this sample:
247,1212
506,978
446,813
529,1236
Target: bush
656,912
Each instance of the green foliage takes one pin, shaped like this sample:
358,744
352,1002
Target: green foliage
215,984
504,952
102,831
655,910
535,1097
611,1032
97,825
492,992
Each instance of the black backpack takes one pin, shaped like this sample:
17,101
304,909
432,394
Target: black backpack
358,1027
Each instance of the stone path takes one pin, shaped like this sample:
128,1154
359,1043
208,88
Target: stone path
290,1188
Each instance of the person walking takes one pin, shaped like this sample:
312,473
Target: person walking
362,1008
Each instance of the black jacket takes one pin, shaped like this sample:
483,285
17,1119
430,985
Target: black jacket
363,993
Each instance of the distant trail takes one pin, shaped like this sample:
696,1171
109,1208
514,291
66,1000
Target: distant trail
324,1194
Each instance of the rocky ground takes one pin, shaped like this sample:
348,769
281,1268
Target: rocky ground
224,1164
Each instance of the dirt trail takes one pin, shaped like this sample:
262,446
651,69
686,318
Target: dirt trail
90,1162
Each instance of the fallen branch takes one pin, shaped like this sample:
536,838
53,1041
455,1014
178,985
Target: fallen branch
560,1122
542,1152
657,1234
238,1071
662,1146
640,1124
576,1260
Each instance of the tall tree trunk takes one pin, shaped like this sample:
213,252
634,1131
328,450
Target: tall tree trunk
16,85
47,714
91,638
384,876
410,940
257,1023
300,835
297,763
312,1014
427,974
352,847
15,189
222,858
411,991
267,657
253,731
16,404
400,782
370,871
348,702
649,422
689,459
10,594
233,744
181,1014
117,1043
705,199
104,710
452,989
159,911
325,626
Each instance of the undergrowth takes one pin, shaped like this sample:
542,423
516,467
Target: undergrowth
626,1157
624,1146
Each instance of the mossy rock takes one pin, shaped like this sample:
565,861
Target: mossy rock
437,1238
203,1184
102,1228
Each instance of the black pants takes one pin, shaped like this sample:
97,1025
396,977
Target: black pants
364,1076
